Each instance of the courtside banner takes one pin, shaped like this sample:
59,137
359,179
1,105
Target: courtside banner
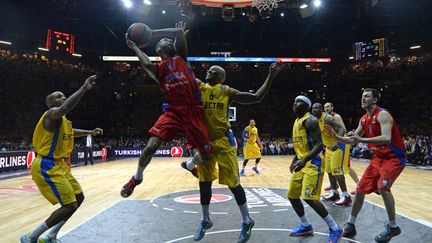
13,160
98,154
175,151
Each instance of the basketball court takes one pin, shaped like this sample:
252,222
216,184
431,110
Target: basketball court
165,207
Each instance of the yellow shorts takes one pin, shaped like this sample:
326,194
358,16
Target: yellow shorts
307,182
336,162
251,151
224,155
54,180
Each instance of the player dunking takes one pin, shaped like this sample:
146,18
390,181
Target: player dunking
329,108
306,169
53,141
184,112
383,136
336,156
252,146
216,98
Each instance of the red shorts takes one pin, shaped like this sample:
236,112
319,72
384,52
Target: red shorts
380,175
186,119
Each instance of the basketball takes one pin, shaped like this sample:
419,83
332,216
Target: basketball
140,33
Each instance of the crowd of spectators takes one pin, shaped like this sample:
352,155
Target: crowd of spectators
126,102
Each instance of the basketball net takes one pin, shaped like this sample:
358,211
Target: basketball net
264,4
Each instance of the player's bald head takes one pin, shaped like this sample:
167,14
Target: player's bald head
216,74
55,99
221,73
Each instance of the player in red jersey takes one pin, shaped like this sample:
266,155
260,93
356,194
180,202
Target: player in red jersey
184,113
383,137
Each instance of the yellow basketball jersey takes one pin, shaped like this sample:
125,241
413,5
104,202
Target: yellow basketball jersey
215,100
328,141
301,139
252,134
58,144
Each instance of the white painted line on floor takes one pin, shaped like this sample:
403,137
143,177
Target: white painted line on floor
189,211
258,229
420,221
253,212
218,213
169,209
280,210
155,205
90,218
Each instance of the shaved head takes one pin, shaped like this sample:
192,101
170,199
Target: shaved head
55,99
216,75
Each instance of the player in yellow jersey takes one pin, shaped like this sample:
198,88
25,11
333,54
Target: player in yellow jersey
53,141
252,147
336,156
329,108
307,171
216,98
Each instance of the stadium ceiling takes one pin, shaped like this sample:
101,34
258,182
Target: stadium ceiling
99,26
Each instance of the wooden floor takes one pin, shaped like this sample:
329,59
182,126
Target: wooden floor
23,207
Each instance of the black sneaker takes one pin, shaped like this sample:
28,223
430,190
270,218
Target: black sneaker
387,234
129,187
349,230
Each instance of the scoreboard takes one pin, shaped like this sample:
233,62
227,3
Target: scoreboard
375,48
60,41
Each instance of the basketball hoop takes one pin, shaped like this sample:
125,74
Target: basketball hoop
262,5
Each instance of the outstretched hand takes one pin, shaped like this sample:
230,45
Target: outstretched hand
97,131
182,25
130,43
90,82
275,68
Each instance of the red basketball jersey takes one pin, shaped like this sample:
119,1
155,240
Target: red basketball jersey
177,81
372,128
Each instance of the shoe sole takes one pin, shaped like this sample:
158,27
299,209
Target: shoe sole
303,234
342,205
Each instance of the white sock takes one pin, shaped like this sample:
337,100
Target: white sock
335,191
352,219
206,212
331,223
304,221
245,213
38,231
345,194
190,164
392,223
52,234
139,173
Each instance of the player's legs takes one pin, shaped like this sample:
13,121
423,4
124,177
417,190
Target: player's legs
366,185
146,155
311,190
205,197
389,172
248,223
353,175
51,177
255,168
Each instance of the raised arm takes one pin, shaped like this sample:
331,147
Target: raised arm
56,113
180,42
252,98
144,60
82,133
